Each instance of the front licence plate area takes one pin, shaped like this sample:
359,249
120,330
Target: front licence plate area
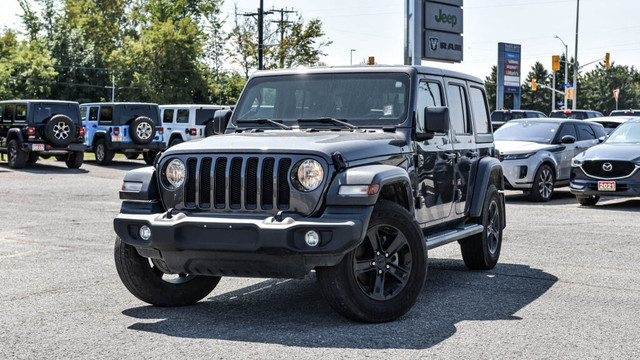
606,186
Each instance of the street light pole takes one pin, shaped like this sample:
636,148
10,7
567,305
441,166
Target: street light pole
351,60
566,68
575,63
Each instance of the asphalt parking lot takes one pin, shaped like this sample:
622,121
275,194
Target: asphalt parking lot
567,286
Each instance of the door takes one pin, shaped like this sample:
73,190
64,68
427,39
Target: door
464,145
434,160
90,116
167,122
182,123
586,137
563,157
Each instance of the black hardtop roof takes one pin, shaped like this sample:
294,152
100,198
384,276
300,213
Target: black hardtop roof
38,101
407,69
119,103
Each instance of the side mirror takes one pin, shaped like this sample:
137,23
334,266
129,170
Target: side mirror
436,119
220,121
567,139
601,139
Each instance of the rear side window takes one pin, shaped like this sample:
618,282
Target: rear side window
458,109
93,113
21,112
585,132
8,112
567,129
106,113
204,115
183,116
599,130
497,116
167,116
83,113
480,111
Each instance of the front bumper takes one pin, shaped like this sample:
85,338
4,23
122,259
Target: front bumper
519,174
251,246
585,185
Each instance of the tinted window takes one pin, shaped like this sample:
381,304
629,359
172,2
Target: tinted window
167,116
8,111
131,112
458,109
430,94
44,111
585,132
204,115
1,112
93,113
568,115
83,113
21,112
183,116
540,132
599,130
106,113
567,129
479,106
497,116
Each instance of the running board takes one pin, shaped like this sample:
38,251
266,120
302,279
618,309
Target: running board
453,235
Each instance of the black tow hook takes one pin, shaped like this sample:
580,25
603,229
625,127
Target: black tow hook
278,216
170,213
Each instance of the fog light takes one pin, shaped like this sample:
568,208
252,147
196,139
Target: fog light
145,232
312,238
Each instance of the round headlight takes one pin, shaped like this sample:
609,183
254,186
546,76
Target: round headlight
309,175
175,173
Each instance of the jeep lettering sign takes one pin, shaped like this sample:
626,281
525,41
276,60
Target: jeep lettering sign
443,17
442,32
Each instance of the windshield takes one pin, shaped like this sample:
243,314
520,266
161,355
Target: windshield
540,132
367,98
569,115
626,133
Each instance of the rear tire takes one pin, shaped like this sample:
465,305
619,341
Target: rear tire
175,142
481,251
382,278
589,200
149,156
104,156
543,184
74,159
148,283
17,157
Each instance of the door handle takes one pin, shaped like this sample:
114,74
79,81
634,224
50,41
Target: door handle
448,155
471,154
95,126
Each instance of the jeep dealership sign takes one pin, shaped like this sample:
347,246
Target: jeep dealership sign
442,33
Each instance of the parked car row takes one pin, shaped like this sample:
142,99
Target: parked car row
65,129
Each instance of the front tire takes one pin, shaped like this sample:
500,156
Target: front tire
17,157
481,251
589,200
543,184
104,156
144,279
381,279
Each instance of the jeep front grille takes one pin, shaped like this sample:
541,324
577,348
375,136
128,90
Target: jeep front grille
240,182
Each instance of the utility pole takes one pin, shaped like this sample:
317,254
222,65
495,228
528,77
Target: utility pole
112,87
566,69
553,93
282,23
351,58
261,13
575,64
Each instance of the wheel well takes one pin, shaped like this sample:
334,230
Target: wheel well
496,178
174,136
551,165
97,137
397,193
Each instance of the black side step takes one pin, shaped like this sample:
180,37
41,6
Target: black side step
433,241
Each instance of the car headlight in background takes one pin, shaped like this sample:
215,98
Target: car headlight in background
307,175
575,162
175,173
519,156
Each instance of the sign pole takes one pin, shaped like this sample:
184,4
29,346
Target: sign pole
553,93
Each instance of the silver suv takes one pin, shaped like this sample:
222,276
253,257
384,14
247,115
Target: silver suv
536,154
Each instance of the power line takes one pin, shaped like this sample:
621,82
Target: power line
74,67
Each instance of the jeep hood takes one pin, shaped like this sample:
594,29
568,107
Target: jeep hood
356,145
521,147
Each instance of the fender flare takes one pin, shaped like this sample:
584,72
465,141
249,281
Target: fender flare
145,176
14,134
175,134
489,171
97,135
367,175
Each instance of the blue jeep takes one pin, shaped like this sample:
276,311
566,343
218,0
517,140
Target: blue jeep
128,128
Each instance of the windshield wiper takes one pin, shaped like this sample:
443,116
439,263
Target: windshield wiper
263,121
342,122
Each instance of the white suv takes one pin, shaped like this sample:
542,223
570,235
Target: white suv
187,122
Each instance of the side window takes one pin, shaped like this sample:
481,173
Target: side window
106,114
599,130
167,116
567,129
458,109
8,112
585,132
21,112
93,113
430,94
1,112
480,111
83,114
541,115
183,116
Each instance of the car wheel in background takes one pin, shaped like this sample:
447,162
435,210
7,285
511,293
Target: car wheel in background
131,156
175,141
142,130
543,184
481,251
17,157
33,156
104,156
74,159
589,200
60,130
149,156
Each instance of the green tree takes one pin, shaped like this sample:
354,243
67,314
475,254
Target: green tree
540,99
490,84
596,88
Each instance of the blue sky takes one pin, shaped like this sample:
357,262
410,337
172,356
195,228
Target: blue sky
376,28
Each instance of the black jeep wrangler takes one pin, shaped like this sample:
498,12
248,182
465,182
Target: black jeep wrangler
355,172
33,128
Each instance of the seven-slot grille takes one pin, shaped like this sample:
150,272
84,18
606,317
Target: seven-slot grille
237,182
619,169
